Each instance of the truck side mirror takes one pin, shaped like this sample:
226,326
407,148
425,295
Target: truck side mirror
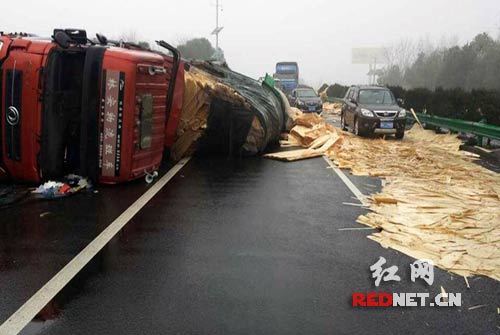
103,40
352,100
400,101
62,39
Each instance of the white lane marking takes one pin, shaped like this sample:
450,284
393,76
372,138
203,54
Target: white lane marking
354,229
357,193
17,321
351,204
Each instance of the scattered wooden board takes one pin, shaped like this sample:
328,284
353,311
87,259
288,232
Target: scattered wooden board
435,202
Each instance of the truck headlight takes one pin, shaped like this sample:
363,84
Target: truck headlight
300,103
402,113
366,112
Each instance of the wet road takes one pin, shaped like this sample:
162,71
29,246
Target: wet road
37,238
228,246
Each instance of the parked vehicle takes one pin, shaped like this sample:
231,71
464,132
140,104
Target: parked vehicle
72,105
288,74
372,110
306,99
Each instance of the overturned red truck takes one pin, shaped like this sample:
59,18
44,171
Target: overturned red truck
103,109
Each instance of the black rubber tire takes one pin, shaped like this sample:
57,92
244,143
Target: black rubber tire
400,134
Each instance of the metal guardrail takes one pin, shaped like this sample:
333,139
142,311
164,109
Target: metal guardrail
481,130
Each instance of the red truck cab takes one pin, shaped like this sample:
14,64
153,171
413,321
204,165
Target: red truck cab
70,105
21,79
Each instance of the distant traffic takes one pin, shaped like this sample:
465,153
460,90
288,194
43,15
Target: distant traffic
287,74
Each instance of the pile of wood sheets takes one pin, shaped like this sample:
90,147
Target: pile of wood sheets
310,132
436,203
332,108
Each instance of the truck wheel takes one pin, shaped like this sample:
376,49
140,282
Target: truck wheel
400,134
342,122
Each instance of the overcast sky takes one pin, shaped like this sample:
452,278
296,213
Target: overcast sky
318,34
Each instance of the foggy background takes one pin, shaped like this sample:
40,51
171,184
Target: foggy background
318,34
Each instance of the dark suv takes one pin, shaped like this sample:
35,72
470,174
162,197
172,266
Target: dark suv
372,110
306,99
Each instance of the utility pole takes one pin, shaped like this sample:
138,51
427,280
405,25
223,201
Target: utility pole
217,29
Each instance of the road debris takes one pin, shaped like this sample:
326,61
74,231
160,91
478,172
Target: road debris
476,307
416,117
353,229
466,281
311,132
444,294
435,203
331,108
54,189
351,204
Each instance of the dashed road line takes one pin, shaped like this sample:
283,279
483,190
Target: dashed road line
357,193
17,321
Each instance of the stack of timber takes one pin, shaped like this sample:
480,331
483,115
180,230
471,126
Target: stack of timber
310,132
332,108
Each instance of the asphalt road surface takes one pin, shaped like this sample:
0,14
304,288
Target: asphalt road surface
228,246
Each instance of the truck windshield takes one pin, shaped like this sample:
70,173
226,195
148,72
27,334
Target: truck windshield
286,68
306,94
376,97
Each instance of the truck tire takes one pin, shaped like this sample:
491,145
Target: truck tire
400,134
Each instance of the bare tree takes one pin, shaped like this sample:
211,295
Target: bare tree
401,54
425,46
447,42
